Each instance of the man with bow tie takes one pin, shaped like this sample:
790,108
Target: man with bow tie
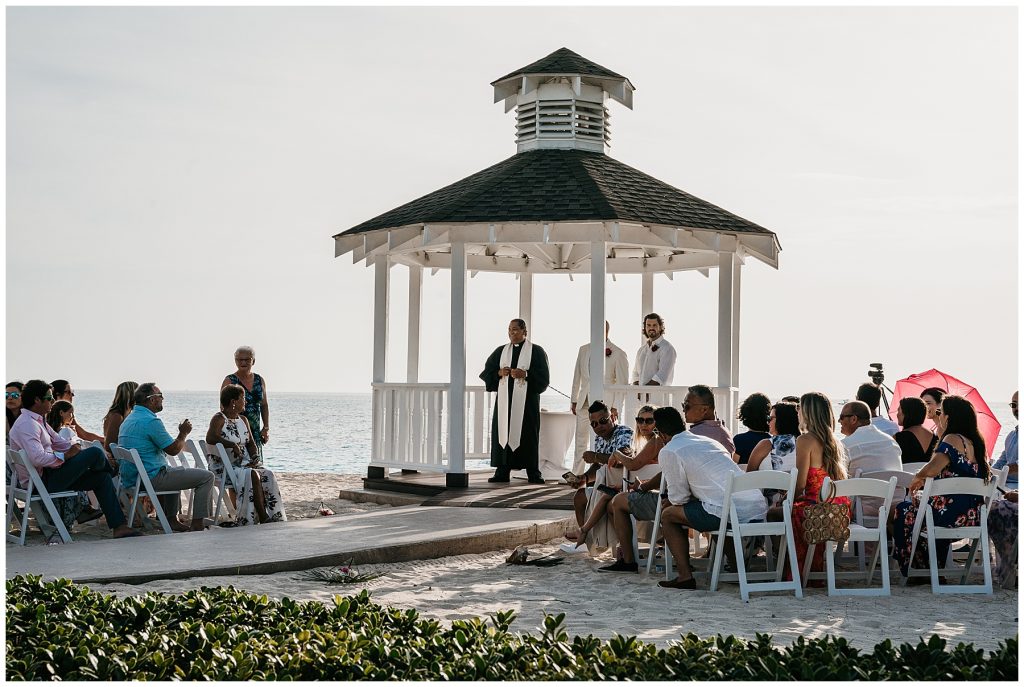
656,359
518,371
616,371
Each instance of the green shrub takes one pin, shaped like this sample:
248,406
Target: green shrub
57,630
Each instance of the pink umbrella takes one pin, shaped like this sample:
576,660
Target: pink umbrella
913,385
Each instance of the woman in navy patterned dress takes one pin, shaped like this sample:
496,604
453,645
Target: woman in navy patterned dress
961,453
257,410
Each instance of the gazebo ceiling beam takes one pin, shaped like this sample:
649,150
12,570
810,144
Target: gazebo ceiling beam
538,251
485,263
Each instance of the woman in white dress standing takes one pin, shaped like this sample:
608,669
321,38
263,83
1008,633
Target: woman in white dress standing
259,499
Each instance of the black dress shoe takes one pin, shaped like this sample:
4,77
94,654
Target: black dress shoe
536,480
496,479
677,584
88,515
620,566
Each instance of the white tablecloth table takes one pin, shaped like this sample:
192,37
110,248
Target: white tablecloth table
557,429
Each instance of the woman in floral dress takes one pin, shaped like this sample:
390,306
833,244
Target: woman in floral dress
259,499
961,453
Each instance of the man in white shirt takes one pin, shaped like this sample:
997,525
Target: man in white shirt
695,470
656,359
868,448
616,371
871,395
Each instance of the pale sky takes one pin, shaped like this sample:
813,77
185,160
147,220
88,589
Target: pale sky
175,175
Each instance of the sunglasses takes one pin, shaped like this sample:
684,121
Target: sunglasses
602,421
1013,404
13,394
48,398
687,406
154,396
645,420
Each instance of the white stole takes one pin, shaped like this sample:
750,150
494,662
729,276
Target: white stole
509,434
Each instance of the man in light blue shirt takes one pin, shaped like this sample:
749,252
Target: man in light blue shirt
143,431
1009,455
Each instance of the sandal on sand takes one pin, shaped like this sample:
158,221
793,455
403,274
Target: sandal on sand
572,479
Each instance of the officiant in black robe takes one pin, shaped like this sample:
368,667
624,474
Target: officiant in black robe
535,379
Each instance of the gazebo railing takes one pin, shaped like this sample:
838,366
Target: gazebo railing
726,400
410,425
410,421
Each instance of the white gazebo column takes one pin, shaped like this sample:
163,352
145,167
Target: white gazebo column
412,368
646,300
598,277
726,331
380,351
526,298
457,475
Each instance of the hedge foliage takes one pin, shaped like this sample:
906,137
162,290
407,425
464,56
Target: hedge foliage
58,630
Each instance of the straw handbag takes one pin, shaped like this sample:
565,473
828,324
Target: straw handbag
827,520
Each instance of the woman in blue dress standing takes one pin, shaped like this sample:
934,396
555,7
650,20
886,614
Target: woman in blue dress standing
961,453
257,410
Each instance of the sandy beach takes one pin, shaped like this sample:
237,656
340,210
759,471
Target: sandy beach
605,604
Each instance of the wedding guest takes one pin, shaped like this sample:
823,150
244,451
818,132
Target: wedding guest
260,497
699,413
695,471
143,431
12,399
62,391
642,502
61,419
1009,454
753,413
62,465
932,398
868,448
778,452
871,395
1003,527
961,453
916,443
818,455
257,408
640,458
124,401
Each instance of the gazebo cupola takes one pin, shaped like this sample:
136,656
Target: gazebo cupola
560,102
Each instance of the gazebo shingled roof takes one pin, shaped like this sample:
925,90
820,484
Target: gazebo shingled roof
563,61
550,185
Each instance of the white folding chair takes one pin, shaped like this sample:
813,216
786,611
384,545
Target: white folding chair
925,523
731,526
143,482
912,468
229,478
32,493
854,489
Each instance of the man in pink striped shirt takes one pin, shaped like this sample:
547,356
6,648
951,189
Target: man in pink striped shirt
62,465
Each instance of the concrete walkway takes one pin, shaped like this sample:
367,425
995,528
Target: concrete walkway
380,536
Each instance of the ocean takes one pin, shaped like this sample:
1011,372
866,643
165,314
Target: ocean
318,432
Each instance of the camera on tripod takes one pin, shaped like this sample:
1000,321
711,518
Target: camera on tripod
876,374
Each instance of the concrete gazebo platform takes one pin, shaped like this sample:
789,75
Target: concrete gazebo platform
560,205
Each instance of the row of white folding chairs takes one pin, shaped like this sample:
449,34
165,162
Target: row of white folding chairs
771,580
198,459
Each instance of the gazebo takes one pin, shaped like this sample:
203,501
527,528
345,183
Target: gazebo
560,205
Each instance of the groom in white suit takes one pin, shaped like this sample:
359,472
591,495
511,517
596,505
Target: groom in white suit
616,371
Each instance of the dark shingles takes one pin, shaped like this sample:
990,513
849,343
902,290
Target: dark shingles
563,61
558,186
